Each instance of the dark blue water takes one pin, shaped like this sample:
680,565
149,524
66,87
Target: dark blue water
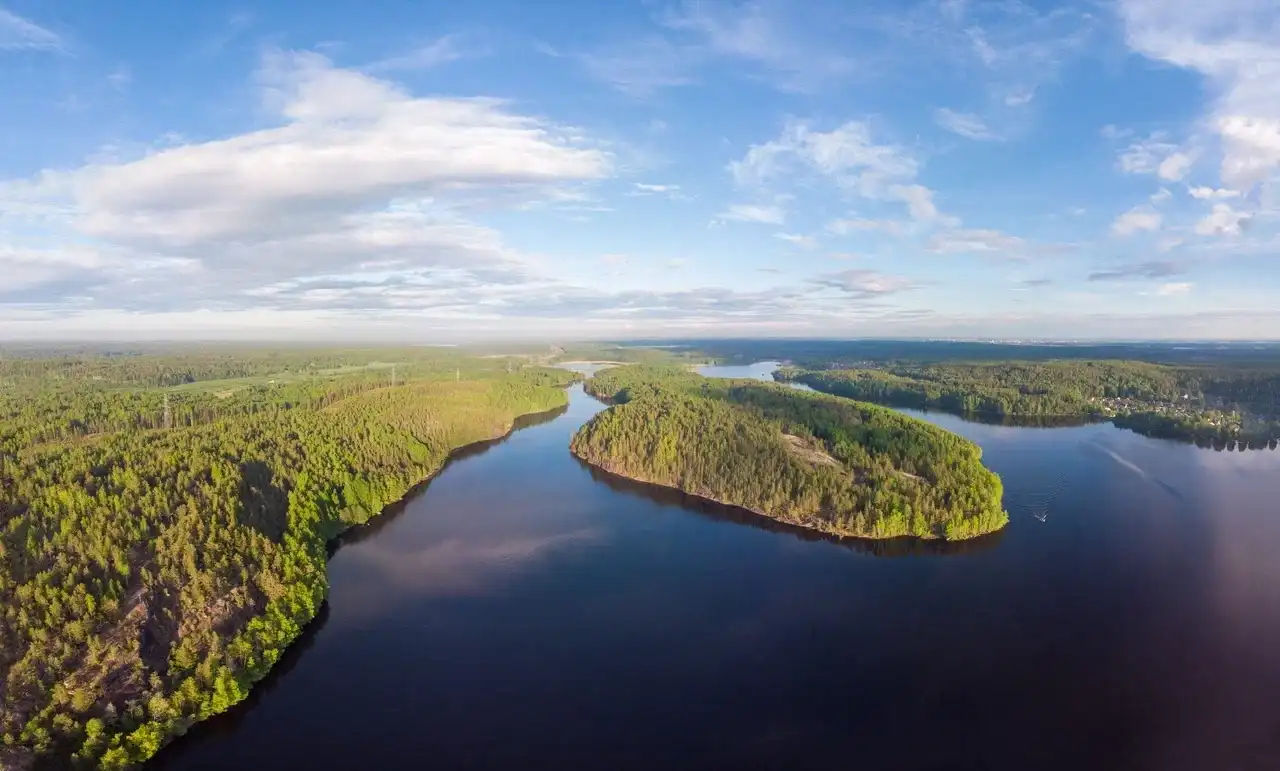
524,612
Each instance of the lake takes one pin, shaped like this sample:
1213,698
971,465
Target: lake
525,611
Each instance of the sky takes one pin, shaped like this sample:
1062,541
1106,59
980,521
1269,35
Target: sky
442,172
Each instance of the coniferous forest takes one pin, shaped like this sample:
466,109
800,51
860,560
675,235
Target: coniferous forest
164,514
1206,404
834,465
164,519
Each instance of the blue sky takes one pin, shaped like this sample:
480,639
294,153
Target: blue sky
439,172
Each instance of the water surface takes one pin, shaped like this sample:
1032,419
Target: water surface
523,611
760,370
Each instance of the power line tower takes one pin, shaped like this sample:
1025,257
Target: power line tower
168,416
393,376
457,375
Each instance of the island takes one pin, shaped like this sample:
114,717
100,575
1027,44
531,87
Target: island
833,465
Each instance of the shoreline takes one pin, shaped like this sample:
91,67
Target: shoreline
825,532
1242,442
347,535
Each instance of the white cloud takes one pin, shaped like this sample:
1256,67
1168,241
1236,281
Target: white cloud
797,239
120,78
1175,166
919,201
1223,221
442,50
358,174
1009,49
24,268
749,212
348,142
864,283
1253,145
73,275
641,67
650,189
1135,270
18,34
847,156
1136,220
1154,155
965,124
1013,47
843,227
1209,193
979,241
1235,45
796,52
1113,132
1174,289
1019,97
356,194
759,39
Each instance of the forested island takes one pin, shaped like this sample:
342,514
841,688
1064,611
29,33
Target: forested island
164,519
833,465
1208,405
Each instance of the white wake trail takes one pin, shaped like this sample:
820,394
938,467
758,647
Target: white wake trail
1123,461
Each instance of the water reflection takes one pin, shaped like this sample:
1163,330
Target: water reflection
1022,421
384,575
587,368
760,370
389,514
879,547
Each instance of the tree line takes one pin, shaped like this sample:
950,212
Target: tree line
1206,404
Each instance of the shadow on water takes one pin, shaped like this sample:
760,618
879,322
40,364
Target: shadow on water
995,419
878,547
1030,421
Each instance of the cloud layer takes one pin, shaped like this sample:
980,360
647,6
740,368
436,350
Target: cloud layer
694,167
361,186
